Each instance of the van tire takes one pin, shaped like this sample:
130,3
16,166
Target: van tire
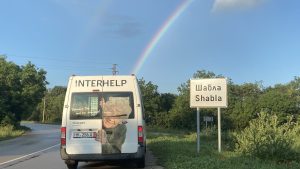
141,162
72,164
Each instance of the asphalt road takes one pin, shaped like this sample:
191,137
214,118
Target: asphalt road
39,149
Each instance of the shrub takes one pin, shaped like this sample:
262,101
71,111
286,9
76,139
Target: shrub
9,119
266,138
211,131
9,131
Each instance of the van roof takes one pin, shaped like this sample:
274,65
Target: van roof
132,75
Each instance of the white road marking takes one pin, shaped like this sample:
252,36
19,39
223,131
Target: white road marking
29,155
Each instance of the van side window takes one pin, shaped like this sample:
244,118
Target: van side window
85,106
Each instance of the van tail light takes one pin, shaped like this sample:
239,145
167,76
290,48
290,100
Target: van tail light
63,136
140,135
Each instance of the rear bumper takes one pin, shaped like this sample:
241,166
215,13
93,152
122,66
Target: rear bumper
99,157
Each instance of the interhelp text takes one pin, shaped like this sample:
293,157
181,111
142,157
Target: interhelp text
100,83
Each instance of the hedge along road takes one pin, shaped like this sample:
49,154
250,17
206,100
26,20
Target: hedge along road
40,149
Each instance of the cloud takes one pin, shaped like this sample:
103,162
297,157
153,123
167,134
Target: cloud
221,5
100,19
121,26
128,29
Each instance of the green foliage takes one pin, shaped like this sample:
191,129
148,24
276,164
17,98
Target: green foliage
151,101
9,131
210,131
181,115
10,89
150,95
54,100
245,101
266,138
242,105
178,151
156,105
281,100
167,101
9,119
21,89
33,82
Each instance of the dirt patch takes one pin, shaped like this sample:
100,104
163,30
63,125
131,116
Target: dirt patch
151,161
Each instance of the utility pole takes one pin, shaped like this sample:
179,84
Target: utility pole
114,69
44,109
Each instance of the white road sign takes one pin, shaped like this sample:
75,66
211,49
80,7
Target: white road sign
208,93
208,118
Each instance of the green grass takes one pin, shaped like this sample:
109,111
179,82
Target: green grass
297,144
178,151
154,130
40,122
8,132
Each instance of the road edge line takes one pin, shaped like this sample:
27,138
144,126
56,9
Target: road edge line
6,162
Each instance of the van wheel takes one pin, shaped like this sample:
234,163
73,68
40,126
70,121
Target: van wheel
72,164
141,162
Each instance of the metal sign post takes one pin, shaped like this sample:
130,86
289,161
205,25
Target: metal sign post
198,129
219,129
208,119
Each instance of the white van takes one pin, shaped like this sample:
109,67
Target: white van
103,119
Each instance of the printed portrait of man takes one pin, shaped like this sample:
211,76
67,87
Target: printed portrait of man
115,111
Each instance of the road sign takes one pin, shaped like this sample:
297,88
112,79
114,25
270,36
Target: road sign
208,93
208,118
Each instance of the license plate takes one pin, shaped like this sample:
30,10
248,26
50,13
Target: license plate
84,135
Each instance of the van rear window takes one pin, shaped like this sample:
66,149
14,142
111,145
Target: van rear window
117,105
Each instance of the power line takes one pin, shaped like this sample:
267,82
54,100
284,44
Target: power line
93,60
77,64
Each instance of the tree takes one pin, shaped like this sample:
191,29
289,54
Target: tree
151,100
21,88
166,101
242,105
281,100
10,92
33,82
294,86
54,100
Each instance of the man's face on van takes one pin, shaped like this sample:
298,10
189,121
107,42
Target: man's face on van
109,122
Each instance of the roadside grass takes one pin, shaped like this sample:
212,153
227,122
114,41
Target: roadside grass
178,151
9,132
153,130
47,122
297,144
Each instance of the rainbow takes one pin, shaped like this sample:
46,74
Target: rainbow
159,34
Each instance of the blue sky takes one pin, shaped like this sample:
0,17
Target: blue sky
245,40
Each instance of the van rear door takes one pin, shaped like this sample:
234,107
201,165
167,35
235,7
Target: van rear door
119,115
83,124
